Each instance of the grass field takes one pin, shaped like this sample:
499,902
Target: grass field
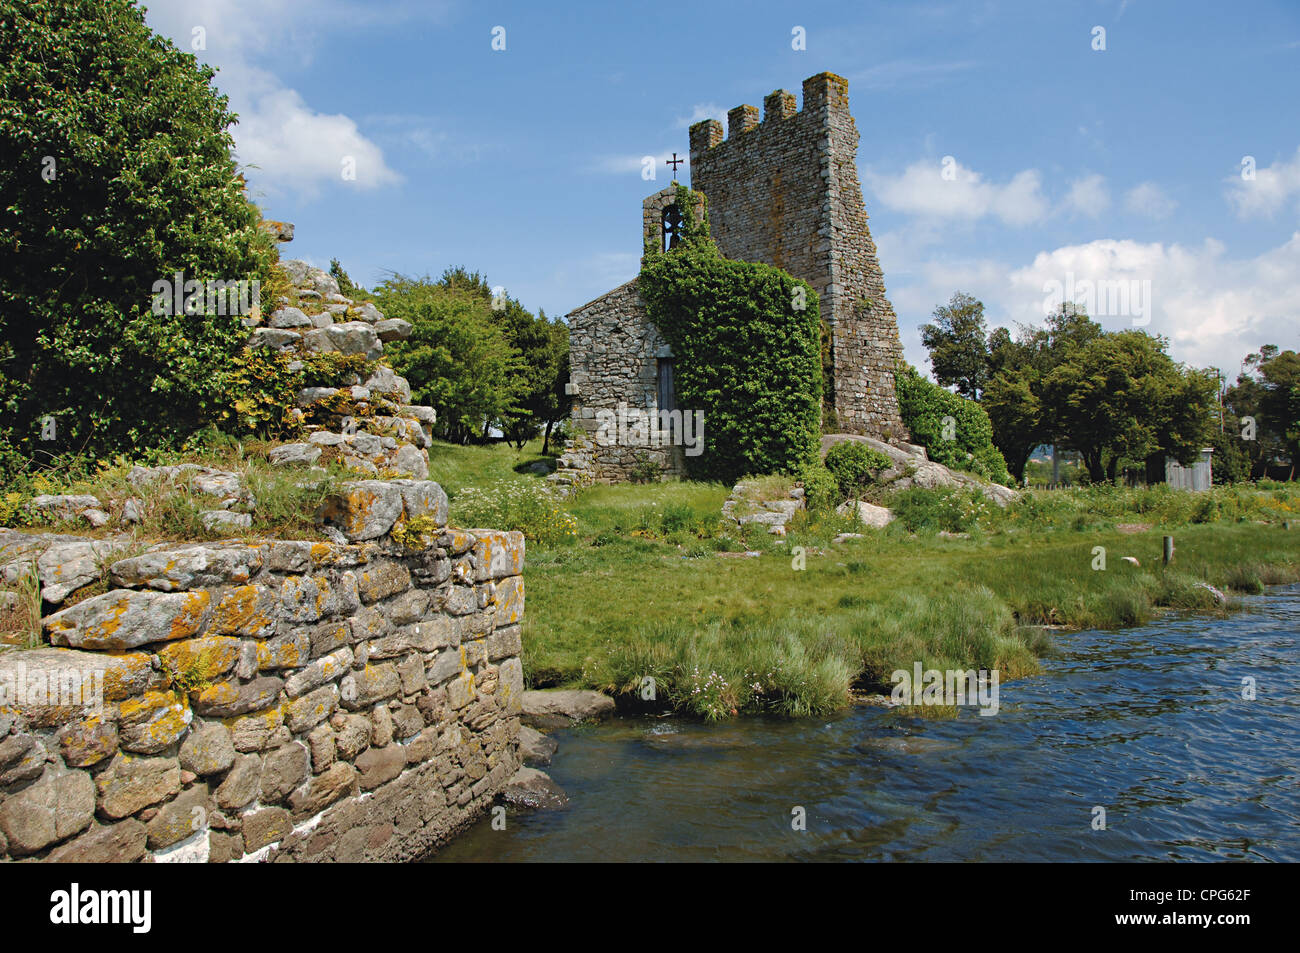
645,580
650,584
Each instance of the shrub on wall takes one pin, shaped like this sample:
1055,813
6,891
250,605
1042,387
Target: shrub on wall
963,443
117,174
746,341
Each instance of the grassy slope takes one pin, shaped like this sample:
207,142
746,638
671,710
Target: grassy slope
644,591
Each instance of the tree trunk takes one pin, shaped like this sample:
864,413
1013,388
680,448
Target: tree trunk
546,441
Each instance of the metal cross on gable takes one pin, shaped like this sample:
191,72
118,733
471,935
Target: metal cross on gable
674,162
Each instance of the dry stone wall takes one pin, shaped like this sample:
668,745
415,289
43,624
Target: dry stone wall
270,699
785,191
368,425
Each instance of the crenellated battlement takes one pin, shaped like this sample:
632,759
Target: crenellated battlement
784,190
822,94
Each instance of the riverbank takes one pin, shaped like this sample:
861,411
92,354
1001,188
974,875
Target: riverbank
646,582
1148,723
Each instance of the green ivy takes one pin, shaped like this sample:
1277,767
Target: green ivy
967,445
742,352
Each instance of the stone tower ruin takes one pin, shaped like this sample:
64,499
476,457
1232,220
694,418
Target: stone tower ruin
785,191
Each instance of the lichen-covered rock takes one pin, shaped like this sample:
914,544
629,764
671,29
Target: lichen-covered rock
66,567
59,805
129,784
245,610
188,567
305,713
266,826
123,619
87,742
365,509
208,750
227,699
373,683
310,598
153,722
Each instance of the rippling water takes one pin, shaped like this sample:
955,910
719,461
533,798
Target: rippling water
1148,723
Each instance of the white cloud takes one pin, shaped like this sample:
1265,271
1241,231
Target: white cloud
922,189
701,112
1149,200
1213,309
1269,192
1088,196
293,146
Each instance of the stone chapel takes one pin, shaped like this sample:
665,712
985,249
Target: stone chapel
783,191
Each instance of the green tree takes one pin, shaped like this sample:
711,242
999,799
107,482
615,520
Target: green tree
1121,397
457,359
959,355
117,174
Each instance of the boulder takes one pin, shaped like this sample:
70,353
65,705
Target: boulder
531,788
550,707
868,513
535,748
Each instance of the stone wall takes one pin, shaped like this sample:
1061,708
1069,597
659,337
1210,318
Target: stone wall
369,425
614,353
785,191
271,700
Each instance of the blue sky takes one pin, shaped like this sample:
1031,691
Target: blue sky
1065,163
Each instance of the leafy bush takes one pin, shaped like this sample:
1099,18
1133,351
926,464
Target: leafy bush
746,341
967,445
854,465
820,489
526,506
141,186
954,511
255,393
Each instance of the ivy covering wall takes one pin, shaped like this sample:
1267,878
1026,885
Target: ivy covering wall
746,342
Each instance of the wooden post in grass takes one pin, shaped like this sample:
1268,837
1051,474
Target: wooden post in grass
1169,549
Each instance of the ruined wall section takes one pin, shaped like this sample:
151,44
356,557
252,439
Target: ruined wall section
267,700
785,191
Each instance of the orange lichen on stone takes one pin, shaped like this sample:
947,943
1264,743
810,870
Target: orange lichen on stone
241,610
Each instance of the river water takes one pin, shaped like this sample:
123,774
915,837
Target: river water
1148,723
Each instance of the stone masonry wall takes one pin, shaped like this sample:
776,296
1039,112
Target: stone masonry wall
271,700
785,191
614,351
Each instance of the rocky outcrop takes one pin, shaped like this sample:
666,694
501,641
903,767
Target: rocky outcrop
369,425
912,467
745,506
